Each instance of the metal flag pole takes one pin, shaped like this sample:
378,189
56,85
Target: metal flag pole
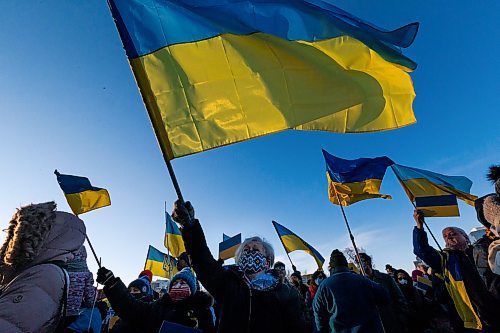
414,206
291,262
351,236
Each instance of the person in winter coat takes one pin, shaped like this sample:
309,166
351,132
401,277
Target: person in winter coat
347,302
317,278
476,307
251,297
183,304
487,248
81,292
395,314
415,300
32,283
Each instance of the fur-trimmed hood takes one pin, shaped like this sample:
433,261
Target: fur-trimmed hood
37,233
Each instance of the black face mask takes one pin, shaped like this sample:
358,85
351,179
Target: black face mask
138,296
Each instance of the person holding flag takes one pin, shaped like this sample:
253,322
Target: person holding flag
184,303
475,306
251,297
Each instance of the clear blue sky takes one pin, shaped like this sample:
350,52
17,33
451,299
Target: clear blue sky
68,100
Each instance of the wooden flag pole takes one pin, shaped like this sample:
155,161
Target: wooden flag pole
414,206
351,236
291,262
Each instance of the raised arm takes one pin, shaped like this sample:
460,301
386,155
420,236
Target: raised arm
421,247
210,273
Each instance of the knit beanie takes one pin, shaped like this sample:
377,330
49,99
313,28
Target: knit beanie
143,285
337,259
148,274
187,275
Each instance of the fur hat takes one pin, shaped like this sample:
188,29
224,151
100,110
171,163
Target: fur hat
488,206
187,275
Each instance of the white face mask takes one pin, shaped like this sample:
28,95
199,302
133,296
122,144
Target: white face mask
403,282
318,281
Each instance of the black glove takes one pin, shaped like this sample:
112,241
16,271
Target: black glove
183,213
104,276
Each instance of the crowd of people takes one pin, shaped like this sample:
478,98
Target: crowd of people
46,286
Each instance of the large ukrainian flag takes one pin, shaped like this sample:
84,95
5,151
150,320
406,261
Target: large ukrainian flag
82,197
160,264
216,72
355,180
291,242
173,239
433,193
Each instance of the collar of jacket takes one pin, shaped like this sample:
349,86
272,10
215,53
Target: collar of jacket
339,269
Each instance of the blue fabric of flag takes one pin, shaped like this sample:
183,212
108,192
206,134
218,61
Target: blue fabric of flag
358,170
460,183
75,184
148,25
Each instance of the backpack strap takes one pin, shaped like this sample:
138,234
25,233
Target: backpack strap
61,325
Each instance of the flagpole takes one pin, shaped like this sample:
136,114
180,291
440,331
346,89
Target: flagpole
93,251
414,206
168,247
291,262
351,236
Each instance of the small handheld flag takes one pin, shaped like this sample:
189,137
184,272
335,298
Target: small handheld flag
291,242
350,181
228,247
82,197
159,263
173,238
433,193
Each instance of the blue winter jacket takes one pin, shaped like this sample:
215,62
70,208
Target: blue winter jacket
347,303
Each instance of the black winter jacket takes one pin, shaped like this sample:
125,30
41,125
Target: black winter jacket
194,311
242,310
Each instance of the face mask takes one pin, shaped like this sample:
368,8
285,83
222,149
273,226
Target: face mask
318,281
179,292
403,281
137,296
252,261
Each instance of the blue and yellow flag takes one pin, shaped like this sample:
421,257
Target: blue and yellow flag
433,193
291,242
229,245
213,73
82,197
355,180
160,264
173,238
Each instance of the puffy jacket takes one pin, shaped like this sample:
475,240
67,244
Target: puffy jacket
32,285
242,309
